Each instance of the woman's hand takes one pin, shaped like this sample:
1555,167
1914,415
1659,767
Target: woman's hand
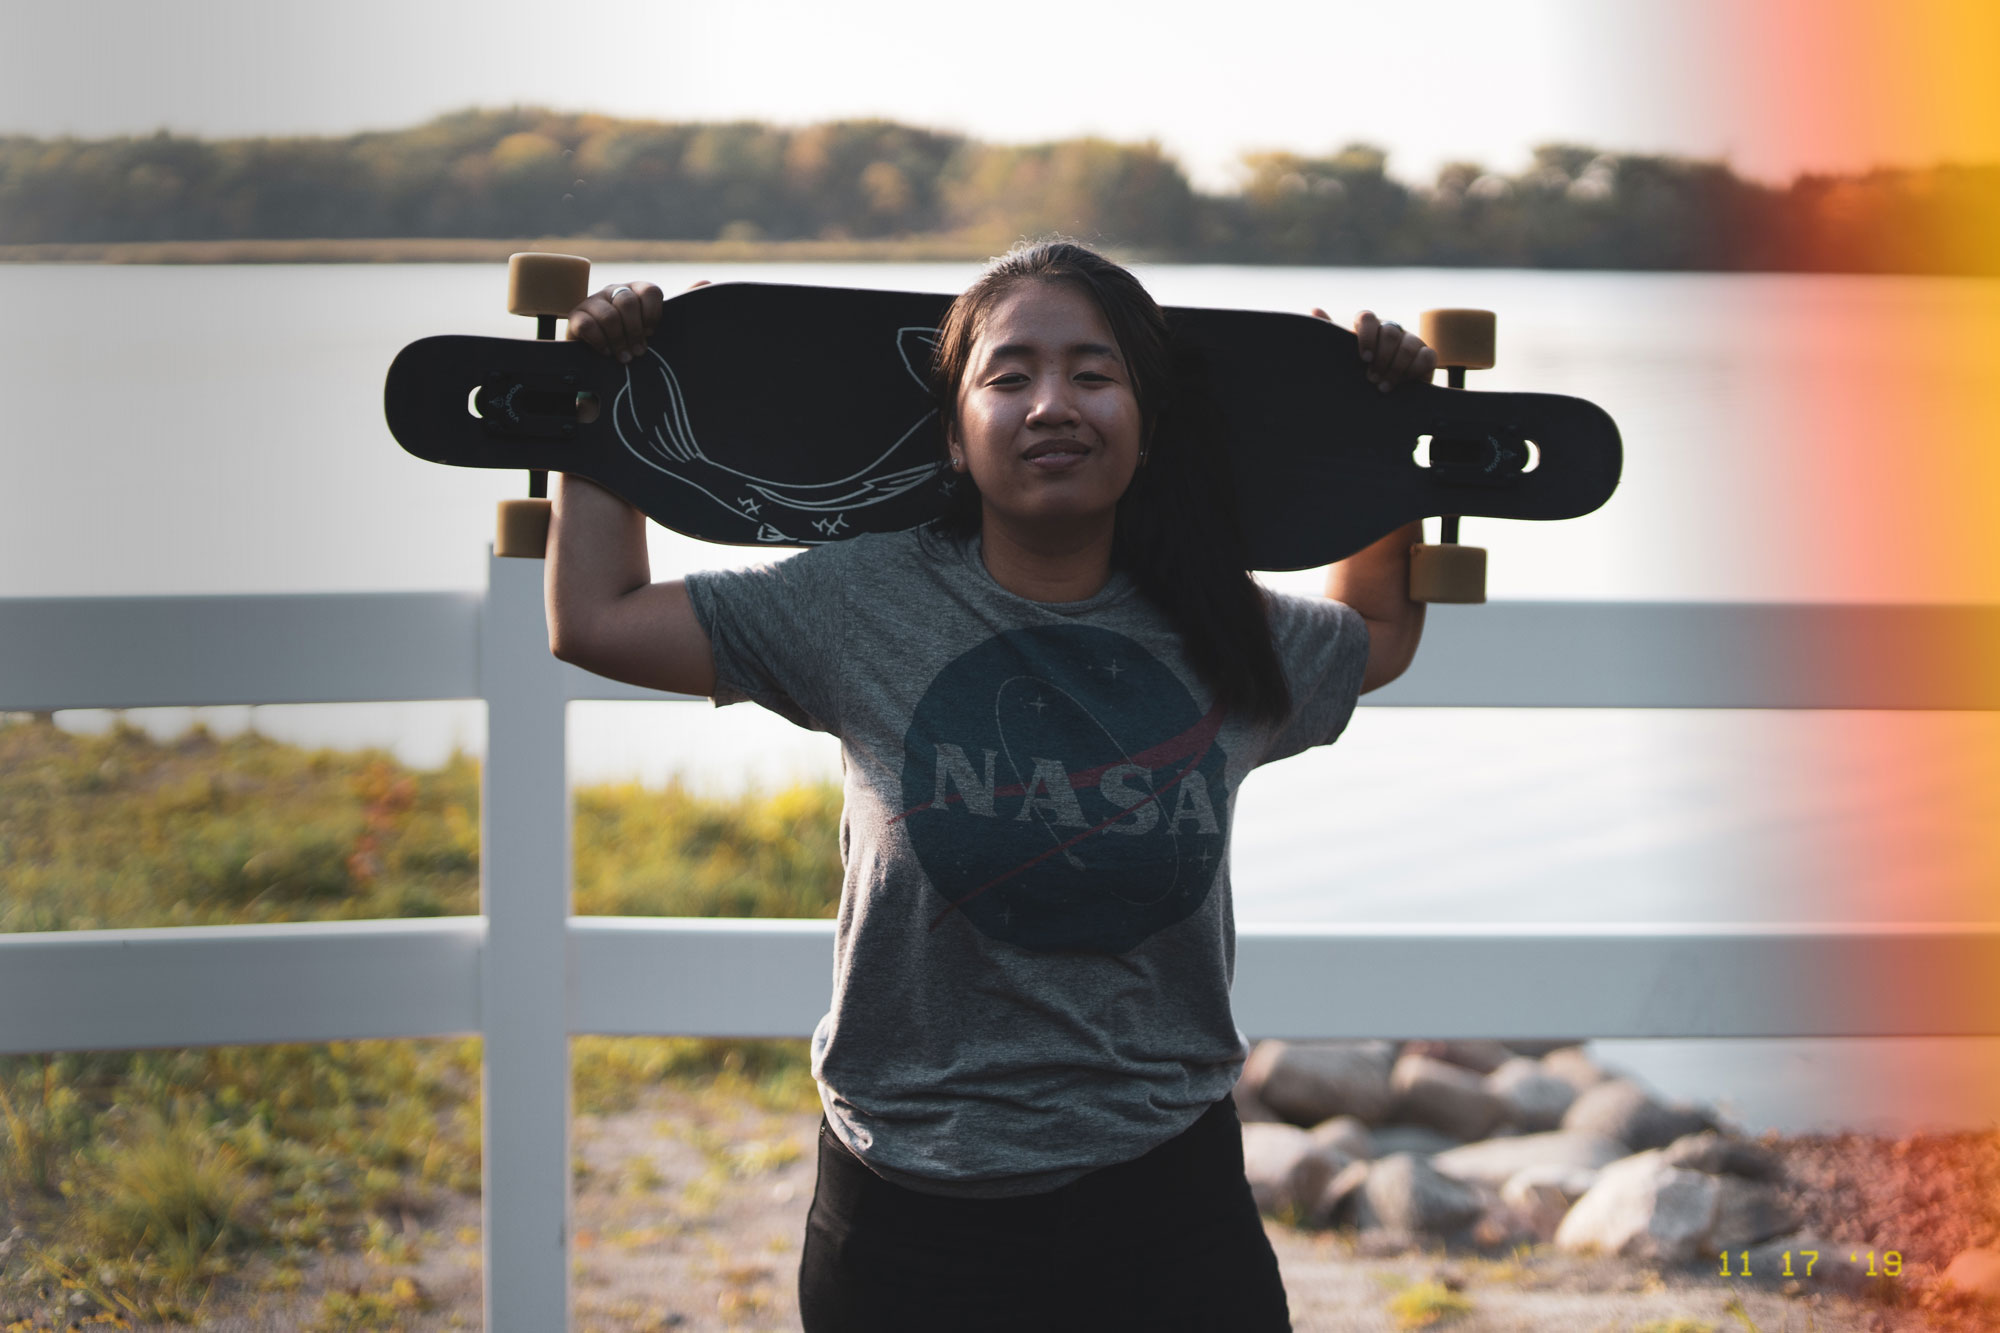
617,320
1392,353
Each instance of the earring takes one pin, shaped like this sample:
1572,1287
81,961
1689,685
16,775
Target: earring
957,463
1142,455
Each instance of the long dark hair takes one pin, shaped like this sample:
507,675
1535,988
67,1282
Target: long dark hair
1176,533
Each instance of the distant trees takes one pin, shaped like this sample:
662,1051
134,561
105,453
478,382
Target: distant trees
530,172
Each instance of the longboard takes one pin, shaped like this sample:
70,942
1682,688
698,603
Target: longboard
772,415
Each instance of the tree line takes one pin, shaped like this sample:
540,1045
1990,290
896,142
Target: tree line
527,172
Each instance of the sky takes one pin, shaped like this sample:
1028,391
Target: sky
1477,80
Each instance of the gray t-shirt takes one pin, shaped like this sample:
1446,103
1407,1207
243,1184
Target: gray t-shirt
1036,940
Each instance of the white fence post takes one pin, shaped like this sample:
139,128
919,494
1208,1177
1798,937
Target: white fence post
524,873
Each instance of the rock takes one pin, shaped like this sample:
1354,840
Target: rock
1746,1212
1620,1109
1345,1135
1720,1154
1405,1194
1536,1099
1535,1050
1830,1270
1503,1225
1976,1272
1481,1057
1642,1208
1495,1161
1541,1195
1307,1082
1249,1109
1573,1067
1444,1097
1411,1138
1285,1169
1343,1202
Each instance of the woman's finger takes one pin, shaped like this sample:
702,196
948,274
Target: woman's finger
651,302
629,336
585,327
1399,352
1317,313
1427,364
1367,328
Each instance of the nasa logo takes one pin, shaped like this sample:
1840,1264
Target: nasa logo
1064,791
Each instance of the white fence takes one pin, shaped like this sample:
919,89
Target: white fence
525,974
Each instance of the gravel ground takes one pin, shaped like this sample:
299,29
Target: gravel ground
689,1215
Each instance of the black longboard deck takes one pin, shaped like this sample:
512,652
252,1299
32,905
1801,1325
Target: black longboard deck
770,415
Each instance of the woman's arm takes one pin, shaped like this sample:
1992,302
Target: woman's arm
1375,581
605,613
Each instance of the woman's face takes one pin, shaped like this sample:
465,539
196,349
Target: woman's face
1048,423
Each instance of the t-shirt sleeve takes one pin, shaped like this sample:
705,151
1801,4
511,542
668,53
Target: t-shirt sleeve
1323,646
776,631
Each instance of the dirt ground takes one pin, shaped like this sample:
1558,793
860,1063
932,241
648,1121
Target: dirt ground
689,1215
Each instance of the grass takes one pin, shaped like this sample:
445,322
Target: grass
140,1179
1425,1304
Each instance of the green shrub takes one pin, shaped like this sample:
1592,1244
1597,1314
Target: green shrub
171,1187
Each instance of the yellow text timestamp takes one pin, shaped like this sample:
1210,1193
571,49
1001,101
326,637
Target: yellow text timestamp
1889,1263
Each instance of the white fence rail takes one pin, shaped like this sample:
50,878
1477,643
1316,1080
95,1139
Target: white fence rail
527,975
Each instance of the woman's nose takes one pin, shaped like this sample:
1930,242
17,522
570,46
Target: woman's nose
1053,405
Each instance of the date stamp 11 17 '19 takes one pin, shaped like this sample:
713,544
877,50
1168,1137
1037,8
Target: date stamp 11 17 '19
1888,1263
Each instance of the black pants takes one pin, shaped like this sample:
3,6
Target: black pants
1171,1241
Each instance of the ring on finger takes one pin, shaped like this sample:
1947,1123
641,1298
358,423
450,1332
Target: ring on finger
615,291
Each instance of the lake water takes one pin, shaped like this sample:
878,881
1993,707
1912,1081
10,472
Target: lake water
218,430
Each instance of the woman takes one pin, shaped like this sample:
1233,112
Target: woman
1046,701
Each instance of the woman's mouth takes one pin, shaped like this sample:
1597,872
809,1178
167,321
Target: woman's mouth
1055,455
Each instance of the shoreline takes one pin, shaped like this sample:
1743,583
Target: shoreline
483,250
928,249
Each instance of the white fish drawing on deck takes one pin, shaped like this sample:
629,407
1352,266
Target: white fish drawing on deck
669,446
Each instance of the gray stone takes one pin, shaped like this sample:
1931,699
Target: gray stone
1343,1202
1746,1212
1405,1194
1535,1050
1642,1208
1976,1272
1411,1138
1573,1067
1284,1168
1540,1196
1720,1154
1621,1109
1536,1099
1345,1135
1444,1097
1827,1260
1307,1082
1495,1161
1481,1057
1249,1109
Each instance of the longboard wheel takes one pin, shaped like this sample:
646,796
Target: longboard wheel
523,529
1447,572
545,284
1459,337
